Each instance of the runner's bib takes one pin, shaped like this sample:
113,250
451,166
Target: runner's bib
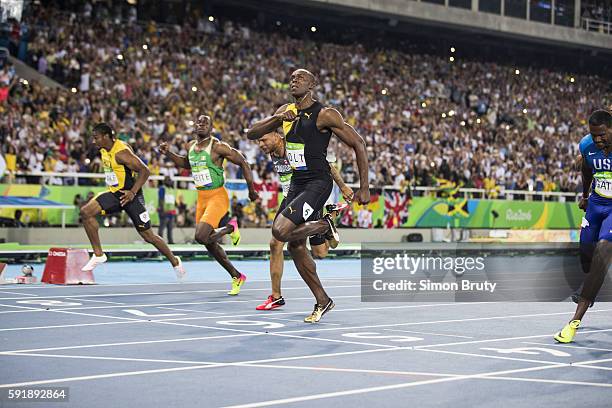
296,157
603,184
110,177
201,176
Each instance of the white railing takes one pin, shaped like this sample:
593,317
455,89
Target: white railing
53,177
600,26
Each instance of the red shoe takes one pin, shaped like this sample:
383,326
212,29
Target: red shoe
271,303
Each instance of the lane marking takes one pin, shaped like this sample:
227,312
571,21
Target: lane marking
542,380
381,388
182,292
429,333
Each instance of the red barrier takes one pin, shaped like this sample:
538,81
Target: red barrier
63,267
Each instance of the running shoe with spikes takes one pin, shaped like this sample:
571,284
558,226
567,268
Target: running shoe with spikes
566,335
235,234
332,236
94,261
271,303
319,311
237,284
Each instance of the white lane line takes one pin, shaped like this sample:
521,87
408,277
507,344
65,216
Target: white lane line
205,366
187,283
603,360
188,310
128,343
542,380
383,388
428,333
592,366
18,293
78,357
471,319
266,316
100,376
460,353
119,305
63,326
348,370
567,346
182,292
216,316
214,302
252,332
92,300
502,339
346,328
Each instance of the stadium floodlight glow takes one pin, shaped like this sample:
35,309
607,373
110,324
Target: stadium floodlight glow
443,115
452,49
452,59
424,105
313,29
524,110
384,92
73,90
478,120
572,80
194,88
145,47
517,72
211,18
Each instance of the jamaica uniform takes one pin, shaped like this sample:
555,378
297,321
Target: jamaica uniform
311,182
120,177
213,200
285,173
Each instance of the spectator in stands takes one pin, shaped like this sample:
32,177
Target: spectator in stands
452,120
17,222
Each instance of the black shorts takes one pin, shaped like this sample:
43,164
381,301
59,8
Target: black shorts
135,209
305,202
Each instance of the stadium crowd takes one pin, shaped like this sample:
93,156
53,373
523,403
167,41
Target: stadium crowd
600,10
424,117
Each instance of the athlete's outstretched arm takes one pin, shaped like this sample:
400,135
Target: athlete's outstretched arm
331,119
270,123
177,159
133,162
234,156
346,191
587,180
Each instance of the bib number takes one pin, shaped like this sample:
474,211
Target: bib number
202,177
603,187
169,199
111,178
296,157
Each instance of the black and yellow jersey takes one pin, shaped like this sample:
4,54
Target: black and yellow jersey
117,176
306,144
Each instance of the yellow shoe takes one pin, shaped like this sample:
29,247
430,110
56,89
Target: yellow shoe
236,285
566,335
319,311
235,234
